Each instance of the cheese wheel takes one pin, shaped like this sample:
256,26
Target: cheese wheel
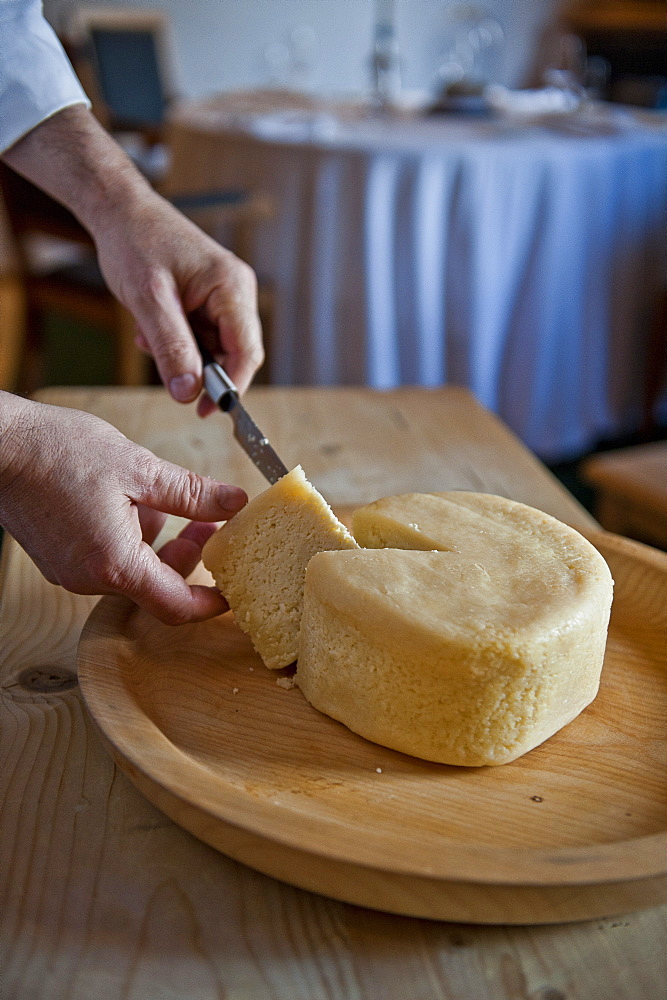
471,651
258,560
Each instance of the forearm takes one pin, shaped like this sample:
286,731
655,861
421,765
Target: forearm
72,158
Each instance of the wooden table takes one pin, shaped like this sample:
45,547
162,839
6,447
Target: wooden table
102,896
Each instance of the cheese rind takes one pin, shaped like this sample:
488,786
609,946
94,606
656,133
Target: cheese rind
470,654
258,560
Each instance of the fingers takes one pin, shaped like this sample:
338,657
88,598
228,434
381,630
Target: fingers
151,522
161,590
231,308
166,331
171,489
224,293
184,552
205,405
177,271
154,581
142,343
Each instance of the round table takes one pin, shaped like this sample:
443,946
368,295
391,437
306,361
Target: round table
522,259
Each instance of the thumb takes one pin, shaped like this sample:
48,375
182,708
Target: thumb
174,490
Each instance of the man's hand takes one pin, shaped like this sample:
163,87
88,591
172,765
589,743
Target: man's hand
164,269
156,262
85,503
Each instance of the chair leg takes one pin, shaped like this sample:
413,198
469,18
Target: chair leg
265,303
12,330
132,365
32,373
656,367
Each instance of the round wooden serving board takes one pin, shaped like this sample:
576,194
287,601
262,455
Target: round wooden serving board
575,829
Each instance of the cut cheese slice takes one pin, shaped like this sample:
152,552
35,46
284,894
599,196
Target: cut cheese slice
258,560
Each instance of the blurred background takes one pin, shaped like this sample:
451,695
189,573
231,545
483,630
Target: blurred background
247,43
431,192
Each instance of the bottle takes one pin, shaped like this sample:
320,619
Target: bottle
385,61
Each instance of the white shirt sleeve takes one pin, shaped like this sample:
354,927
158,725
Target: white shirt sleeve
36,77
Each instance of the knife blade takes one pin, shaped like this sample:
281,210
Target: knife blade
225,395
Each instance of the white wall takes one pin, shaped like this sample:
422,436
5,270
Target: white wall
221,44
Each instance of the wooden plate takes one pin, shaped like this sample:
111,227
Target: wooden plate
575,829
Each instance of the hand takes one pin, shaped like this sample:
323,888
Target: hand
157,263
170,274
85,503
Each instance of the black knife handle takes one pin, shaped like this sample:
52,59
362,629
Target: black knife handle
220,379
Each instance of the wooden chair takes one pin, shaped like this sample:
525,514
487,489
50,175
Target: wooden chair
631,490
73,288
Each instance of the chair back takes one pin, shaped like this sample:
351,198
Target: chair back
55,278
129,78
122,57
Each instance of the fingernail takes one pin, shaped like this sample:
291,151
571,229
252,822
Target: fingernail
232,498
183,387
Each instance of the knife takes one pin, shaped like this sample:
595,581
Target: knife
224,394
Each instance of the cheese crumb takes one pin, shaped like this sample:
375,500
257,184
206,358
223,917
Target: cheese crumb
286,682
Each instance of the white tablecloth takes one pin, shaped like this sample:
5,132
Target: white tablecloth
522,261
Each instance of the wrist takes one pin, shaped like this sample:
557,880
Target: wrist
74,159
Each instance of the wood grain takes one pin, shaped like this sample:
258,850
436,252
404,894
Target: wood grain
102,896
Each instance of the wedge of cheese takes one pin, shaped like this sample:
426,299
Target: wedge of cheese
258,560
471,631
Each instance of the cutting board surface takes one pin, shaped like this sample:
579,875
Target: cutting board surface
576,828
